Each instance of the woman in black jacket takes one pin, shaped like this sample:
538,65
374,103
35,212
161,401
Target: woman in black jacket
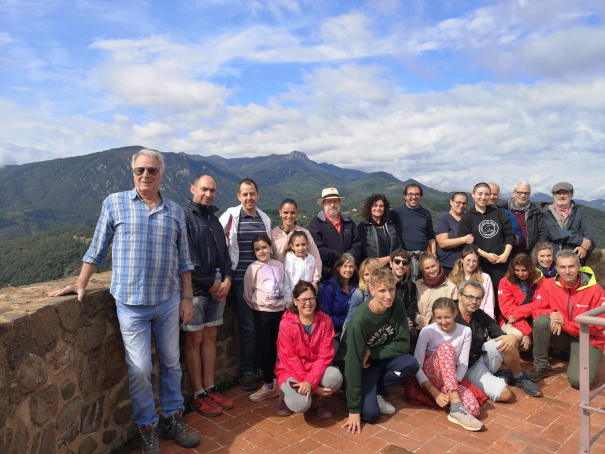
493,235
377,230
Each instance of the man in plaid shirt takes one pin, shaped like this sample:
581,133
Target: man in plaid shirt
151,267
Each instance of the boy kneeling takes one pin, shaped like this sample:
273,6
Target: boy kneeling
374,352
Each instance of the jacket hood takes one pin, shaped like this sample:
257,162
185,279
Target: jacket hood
587,278
488,209
322,216
198,207
289,316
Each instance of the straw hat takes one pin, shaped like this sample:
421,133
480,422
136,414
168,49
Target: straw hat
329,193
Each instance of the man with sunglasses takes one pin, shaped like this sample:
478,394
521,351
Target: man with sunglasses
530,221
414,226
151,283
406,289
490,349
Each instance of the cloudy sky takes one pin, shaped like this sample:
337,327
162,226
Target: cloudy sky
449,92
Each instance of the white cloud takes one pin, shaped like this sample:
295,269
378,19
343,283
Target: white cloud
5,39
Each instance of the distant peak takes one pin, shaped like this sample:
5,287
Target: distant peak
298,155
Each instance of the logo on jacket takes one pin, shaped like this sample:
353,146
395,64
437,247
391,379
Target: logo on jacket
488,228
380,337
581,305
538,297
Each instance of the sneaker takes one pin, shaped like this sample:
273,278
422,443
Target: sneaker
465,419
177,430
219,399
527,385
205,406
150,440
537,373
258,376
322,407
282,408
385,407
247,381
265,393
506,375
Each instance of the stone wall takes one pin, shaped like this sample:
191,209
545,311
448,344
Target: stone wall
63,378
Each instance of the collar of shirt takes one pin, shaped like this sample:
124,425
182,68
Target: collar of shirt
565,211
335,224
243,214
135,195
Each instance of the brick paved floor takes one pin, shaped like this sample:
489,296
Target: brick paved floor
524,425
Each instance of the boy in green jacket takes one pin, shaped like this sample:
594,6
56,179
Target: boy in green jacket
375,348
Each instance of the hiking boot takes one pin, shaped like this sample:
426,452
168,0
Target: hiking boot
247,381
385,407
323,409
205,406
465,419
537,373
265,392
506,375
177,430
219,399
282,408
150,440
258,376
527,385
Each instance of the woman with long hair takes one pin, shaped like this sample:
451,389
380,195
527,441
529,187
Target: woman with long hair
377,229
544,259
431,285
363,292
467,267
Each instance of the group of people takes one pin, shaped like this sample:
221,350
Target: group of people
340,305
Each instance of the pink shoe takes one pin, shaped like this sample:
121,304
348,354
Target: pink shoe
282,408
323,410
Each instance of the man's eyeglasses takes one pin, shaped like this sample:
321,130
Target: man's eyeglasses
522,193
401,262
416,194
305,301
460,203
138,171
476,299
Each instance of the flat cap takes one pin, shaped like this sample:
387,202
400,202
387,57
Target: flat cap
562,187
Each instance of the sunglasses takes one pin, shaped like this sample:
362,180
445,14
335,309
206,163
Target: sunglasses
138,171
400,262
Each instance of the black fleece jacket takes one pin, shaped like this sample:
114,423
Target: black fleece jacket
492,230
481,325
207,246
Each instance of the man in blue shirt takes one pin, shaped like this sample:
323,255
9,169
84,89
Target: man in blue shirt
151,266
414,226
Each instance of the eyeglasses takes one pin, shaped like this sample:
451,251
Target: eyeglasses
138,171
400,262
522,193
476,299
416,194
305,301
460,203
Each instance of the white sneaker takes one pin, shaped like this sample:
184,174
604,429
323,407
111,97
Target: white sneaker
265,393
385,407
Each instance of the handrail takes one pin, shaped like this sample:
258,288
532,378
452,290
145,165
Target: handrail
588,318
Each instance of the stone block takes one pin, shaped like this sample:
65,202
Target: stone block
61,359
89,370
4,406
69,313
43,404
90,337
92,416
68,437
21,439
88,447
48,440
67,389
115,364
109,436
123,413
44,327
35,444
32,373
6,437
123,393
69,413
69,336
4,373
17,346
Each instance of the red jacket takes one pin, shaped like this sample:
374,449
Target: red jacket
573,301
302,358
510,297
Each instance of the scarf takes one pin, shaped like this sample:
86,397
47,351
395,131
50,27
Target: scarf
513,206
565,211
432,282
376,224
551,272
524,287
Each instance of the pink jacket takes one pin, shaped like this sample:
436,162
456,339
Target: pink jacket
299,357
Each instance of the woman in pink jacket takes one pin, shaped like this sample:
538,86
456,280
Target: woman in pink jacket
305,346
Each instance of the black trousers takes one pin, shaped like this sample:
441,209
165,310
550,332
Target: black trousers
266,327
496,273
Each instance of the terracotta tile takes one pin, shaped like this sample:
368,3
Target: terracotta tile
558,432
244,408
532,449
518,424
399,416
399,440
270,427
172,447
397,426
237,447
543,417
557,402
553,389
299,433
492,432
369,445
367,431
257,450
206,445
506,410
214,419
462,449
246,418
325,450
294,420
207,428
422,417
266,441
323,423
534,440
235,434
466,439
392,449
234,392
571,446
269,412
302,447
506,446
570,395
426,432
343,444
529,405
438,445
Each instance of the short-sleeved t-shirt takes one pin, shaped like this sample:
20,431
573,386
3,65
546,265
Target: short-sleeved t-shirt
448,224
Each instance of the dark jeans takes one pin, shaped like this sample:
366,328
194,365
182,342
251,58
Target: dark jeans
248,360
496,273
266,325
381,376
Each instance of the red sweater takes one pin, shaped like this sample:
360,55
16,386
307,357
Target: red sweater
510,297
573,301
302,358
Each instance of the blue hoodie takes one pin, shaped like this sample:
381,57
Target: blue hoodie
335,302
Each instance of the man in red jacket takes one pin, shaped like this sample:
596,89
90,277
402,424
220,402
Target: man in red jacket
572,292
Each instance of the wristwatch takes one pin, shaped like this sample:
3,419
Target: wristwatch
186,297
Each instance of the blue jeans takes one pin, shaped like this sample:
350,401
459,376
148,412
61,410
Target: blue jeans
248,356
137,323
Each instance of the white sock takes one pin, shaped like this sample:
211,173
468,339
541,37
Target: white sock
197,393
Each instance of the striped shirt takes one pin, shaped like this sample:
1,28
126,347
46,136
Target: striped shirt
150,248
247,228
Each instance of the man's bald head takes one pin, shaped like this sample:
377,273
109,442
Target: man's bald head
493,200
204,190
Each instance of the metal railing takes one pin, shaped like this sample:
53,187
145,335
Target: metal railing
586,320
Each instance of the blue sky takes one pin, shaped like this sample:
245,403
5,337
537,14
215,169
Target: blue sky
447,92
